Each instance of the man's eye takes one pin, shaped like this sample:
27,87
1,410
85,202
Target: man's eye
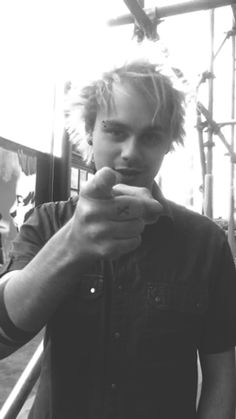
116,133
153,137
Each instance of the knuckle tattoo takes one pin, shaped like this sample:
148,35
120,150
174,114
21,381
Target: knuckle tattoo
123,210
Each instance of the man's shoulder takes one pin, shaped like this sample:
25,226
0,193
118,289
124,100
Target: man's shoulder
47,218
52,205
191,221
187,220
61,210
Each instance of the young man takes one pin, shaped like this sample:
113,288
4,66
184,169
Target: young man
129,285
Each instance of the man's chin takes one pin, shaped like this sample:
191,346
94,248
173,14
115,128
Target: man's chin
140,183
130,180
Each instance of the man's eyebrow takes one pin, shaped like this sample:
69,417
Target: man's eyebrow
118,124
158,129
153,128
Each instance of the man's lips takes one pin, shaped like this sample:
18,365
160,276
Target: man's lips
127,171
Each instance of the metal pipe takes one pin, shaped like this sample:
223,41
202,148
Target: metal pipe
228,35
221,46
136,8
210,144
201,145
232,122
231,227
208,195
234,13
172,10
215,128
23,387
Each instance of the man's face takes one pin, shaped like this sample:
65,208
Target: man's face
126,139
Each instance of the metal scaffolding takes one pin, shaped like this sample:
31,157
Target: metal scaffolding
148,19
214,128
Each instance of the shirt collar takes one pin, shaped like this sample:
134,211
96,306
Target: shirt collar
158,195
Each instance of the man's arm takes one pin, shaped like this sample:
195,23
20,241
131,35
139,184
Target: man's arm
31,295
103,226
6,345
218,394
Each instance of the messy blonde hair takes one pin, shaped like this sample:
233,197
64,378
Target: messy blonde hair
146,78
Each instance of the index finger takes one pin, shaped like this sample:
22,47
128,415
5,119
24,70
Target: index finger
100,186
130,207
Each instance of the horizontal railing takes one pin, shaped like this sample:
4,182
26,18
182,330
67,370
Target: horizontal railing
172,10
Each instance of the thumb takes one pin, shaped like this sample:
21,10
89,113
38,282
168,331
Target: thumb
100,186
152,210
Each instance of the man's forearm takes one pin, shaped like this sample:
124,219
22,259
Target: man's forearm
33,294
214,407
218,395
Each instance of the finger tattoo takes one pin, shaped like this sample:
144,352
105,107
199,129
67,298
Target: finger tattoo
124,210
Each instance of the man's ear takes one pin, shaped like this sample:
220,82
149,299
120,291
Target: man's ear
90,140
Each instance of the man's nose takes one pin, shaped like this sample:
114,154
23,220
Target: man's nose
130,148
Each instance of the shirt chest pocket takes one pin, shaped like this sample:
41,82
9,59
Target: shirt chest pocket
91,287
175,313
190,297
88,295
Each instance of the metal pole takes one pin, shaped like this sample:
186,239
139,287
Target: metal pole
231,227
23,387
216,129
136,8
172,10
208,187
232,122
201,145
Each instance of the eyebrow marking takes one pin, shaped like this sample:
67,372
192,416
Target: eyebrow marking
113,124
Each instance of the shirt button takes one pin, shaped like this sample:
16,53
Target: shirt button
92,290
117,335
113,386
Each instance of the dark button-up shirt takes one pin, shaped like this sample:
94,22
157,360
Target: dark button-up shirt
124,344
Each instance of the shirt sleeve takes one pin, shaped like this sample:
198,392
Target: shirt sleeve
219,328
26,245
44,221
11,335
41,225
